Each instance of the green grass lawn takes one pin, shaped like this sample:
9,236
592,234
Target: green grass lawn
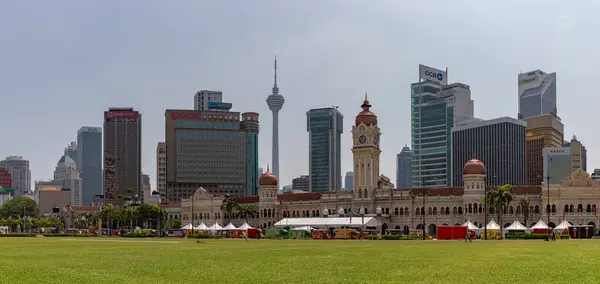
119,260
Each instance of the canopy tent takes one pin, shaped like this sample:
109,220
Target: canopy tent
325,222
564,225
230,227
215,227
516,226
540,225
303,228
245,226
187,227
492,225
470,225
201,227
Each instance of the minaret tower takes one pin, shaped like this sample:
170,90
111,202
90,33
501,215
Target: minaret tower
365,152
275,102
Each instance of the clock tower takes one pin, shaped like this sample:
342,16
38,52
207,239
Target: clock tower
365,152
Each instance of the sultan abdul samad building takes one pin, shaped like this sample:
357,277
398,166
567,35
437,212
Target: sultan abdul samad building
574,200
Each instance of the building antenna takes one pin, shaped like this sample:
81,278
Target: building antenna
275,88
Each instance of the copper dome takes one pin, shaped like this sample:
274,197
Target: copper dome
268,178
366,116
474,167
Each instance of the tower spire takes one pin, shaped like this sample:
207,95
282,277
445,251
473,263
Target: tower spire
275,88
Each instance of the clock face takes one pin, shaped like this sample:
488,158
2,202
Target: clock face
362,139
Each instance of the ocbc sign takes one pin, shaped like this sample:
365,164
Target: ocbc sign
437,76
185,115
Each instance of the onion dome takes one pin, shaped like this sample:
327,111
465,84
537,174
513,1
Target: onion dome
474,167
268,178
366,116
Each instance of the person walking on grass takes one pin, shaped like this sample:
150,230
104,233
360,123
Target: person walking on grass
553,236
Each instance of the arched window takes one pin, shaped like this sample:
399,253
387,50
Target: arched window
422,210
475,208
447,210
579,208
442,210
536,209
359,193
417,211
566,208
594,208
396,212
547,208
470,210
387,211
588,208
531,209
434,210
454,210
429,211
511,210
571,208
406,212
553,208
460,210
318,212
518,209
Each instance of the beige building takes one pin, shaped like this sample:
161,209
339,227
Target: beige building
574,200
542,131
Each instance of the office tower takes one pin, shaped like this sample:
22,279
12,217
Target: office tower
203,98
542,131
537,94
404,168
557,164
275,102
300,183
20,174
349,181
215,150
435,108
5,179
66,173
122,154
71,151
161,169
324,126
498,143
578,154
260,172
89,162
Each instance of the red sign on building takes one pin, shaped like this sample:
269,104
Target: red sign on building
121,114
175,115
5,178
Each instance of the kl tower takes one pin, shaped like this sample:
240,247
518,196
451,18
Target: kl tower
275,102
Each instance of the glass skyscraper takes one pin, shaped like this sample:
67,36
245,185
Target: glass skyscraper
434,110
89,162
325,126
537,94
404,168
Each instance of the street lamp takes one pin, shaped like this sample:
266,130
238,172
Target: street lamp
424,197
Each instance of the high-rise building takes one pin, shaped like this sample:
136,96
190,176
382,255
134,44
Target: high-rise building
20,174
537,94
324,126
499,143
204,97
578,154
542,131
596,174
122,154
557,164
71,151
260,172
161,169
66,173
89,162
5,179
275,102
300,183
404,168
435,108
349,181
215,150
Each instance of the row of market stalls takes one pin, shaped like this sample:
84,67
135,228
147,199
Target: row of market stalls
494,230
231,231
324,228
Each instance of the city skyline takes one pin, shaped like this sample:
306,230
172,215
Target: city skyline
333,70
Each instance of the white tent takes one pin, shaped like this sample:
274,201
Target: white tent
470,225
564,225
492,225
245,226
325,222
187,227
215,227
304,228
230,227
201,227
540,225
516,226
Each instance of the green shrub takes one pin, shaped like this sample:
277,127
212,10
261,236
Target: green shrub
69,235
142,233
529,236
18,235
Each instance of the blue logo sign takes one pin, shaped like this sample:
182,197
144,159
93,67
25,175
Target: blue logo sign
440,76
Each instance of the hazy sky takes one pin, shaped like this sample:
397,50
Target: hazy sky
62,63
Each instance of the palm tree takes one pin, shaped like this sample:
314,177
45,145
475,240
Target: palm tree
228,205
499,200
246,210
524,204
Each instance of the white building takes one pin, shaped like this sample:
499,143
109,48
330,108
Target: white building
18,168
203,97
66,173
